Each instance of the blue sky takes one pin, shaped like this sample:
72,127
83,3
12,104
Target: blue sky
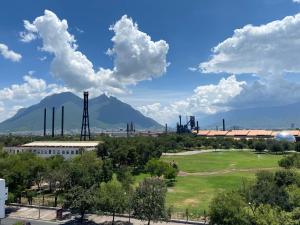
190,29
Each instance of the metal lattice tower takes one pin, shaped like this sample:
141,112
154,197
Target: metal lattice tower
85,127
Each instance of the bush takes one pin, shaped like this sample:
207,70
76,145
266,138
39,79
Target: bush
228,209
276,147
159,168
260,146
297,147
291,161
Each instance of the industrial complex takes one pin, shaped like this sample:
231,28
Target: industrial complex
246,134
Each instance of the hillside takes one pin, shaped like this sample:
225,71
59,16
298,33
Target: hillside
105,113
276,117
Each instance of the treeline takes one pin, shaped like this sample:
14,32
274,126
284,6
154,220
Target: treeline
273,198
163,143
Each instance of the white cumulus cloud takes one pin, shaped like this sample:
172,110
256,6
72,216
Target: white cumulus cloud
136,56
206,99
9,54
25,94
272,48
270,52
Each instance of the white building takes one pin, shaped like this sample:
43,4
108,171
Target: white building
3,198
67,149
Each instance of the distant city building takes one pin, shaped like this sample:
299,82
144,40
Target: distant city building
67,149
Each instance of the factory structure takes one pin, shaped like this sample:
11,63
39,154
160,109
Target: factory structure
246,134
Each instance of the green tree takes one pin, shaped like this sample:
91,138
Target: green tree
276,147
260,146
270,215
149,200
290,161
112,197
80,200
297,147
228,209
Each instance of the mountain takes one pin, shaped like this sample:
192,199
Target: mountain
276,117
104,112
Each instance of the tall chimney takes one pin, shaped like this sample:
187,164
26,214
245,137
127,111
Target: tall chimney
179,120
45,119
53,119
166,127
197,127
224,128
62,120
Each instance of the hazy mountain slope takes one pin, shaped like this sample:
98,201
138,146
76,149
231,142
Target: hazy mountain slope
278,117
105,112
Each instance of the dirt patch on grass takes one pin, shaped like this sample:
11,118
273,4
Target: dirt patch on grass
190,201
221,172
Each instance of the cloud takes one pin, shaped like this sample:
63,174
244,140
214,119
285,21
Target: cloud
270,49
30,89
136,56
9,54
25,94
79,30
206,99
193,69
270,52
296,1
43,58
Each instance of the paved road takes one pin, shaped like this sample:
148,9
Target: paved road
11,221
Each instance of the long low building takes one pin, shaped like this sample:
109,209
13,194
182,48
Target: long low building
246,134
67,149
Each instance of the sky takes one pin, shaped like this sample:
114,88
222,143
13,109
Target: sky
165,58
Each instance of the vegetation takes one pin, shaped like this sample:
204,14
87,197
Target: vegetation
149,200
273,198
216,161
123,173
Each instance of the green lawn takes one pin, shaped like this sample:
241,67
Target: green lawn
216,161
196,192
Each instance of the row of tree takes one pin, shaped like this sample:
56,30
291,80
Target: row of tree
137,150
146,202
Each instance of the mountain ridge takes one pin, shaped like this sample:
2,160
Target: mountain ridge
271,117
106,112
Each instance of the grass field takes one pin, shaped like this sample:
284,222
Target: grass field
194,190
215,161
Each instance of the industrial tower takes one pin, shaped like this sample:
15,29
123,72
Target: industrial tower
85,127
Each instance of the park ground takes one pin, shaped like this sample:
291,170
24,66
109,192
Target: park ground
203,175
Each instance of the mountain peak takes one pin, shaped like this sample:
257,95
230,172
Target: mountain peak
104,111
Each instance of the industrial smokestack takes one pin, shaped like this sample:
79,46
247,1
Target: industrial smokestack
224,128
197,127
45,119
62,120
131,126
179,120
53,119
166,128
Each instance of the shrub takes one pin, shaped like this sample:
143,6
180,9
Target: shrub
260,146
